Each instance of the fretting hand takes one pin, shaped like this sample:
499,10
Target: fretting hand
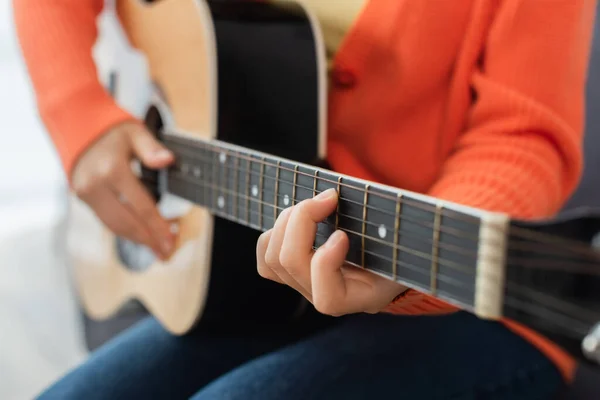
285,255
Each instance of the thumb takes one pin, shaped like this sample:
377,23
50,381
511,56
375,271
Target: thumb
150,151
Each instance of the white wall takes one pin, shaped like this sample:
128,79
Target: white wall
40,331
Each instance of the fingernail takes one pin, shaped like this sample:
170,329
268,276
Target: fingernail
162,154
334,238
166,246
327,194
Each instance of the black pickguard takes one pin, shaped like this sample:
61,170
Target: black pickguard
267,101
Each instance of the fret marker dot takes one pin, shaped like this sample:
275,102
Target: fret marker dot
286,200
222,158
382,231
221,202
197,172
254,191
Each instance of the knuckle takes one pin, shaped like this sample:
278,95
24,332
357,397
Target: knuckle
285,213
286,258
300,208
108,170
263,241
125,230
263,270
271,258
146,211
326,306
83,187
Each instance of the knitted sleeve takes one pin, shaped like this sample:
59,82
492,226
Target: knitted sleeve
521,151
56,39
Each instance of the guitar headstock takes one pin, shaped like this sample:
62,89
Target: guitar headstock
553,279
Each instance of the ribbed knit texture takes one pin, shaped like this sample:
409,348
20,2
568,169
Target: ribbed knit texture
56,39
475,101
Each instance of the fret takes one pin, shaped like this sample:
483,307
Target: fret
222,182
337,208
215,178
197,187
247,189
459,235
285,185
435,244
200,175
276,192
351,216
176,183
379,223
234,189
268,193
255,211
325,180
305,181
316,177
294,185
261,178
396,232
364,226
414,242
197,176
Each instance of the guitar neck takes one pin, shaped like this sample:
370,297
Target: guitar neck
443,249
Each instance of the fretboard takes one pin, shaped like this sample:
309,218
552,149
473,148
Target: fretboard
413,239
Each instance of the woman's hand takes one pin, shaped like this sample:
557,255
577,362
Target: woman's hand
285,255
103,178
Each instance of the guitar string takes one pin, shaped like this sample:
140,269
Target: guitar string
409,250
560,304
209,162
518,245
523,232
551,264
442,228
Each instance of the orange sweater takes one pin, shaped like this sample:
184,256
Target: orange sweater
475,101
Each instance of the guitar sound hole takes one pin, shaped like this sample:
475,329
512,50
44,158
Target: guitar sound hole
133,255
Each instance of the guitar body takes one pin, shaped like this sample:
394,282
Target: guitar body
218,70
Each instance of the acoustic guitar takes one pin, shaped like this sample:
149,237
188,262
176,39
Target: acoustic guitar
239,96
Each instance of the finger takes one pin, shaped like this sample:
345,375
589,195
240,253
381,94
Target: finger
333,294
294,276
141,202
148,149
118,218
297,247
261,264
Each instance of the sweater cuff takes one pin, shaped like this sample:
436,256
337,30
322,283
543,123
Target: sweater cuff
411,302
77,121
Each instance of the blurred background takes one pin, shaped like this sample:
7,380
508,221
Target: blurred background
42,331
40,326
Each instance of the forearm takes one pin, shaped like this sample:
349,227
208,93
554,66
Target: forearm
56,40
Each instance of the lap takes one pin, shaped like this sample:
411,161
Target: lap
449,357
147,362
362,356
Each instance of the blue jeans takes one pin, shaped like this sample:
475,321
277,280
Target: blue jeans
355,357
